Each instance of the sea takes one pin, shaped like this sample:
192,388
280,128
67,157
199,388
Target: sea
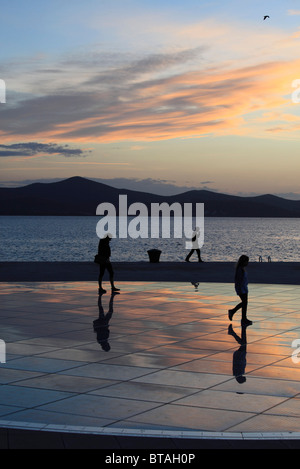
74,238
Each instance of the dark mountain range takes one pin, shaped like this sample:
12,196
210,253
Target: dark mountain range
80,196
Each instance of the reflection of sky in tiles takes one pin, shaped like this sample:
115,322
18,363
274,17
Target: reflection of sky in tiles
170,349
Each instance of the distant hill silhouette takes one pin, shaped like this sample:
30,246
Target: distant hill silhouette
80,196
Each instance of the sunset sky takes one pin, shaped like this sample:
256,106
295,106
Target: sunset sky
187,93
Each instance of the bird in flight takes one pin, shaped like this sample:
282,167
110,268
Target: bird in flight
265,17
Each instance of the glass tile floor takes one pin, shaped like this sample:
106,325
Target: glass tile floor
157,357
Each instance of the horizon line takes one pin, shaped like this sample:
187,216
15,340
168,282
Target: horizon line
184,189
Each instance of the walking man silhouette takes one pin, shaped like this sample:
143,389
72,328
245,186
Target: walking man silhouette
195,245
104,253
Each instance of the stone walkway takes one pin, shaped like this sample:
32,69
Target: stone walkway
175,367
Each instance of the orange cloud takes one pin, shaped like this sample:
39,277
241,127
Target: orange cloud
185,105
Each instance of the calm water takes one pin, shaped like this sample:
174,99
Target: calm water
38,238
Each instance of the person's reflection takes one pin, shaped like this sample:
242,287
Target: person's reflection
196,285
101,324
239,356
